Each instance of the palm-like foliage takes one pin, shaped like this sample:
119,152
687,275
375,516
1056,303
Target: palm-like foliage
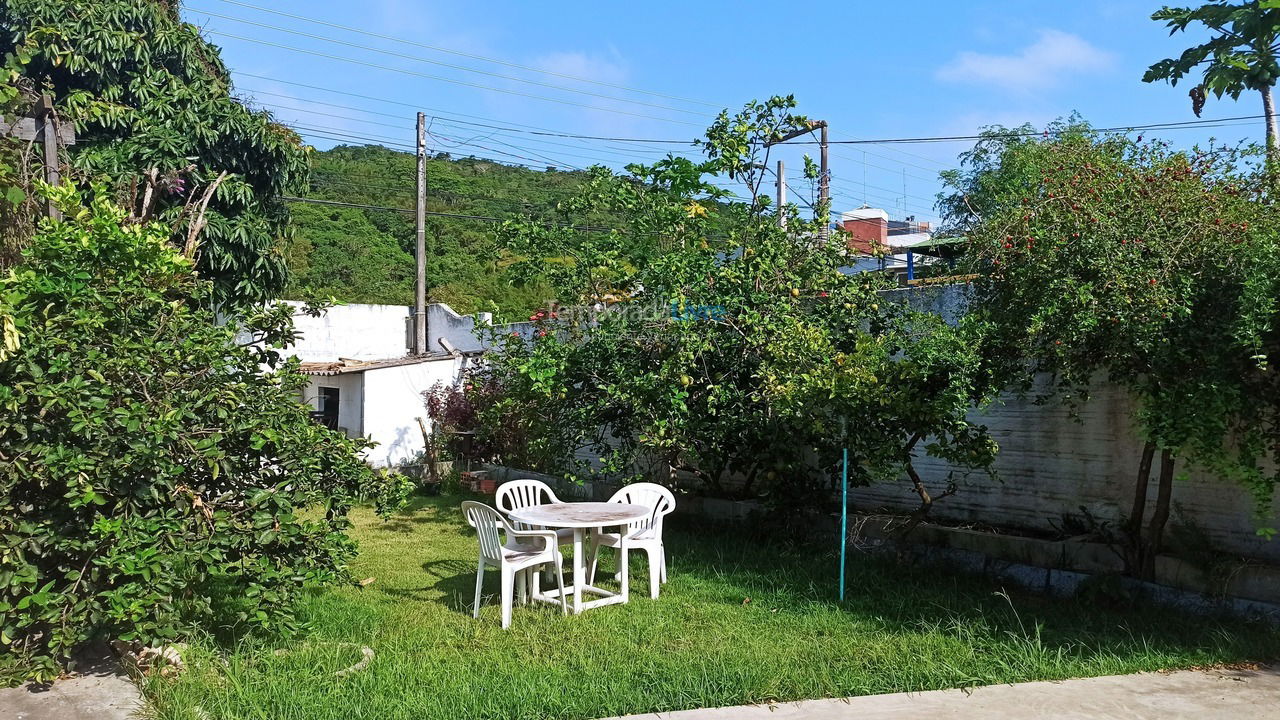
1240,55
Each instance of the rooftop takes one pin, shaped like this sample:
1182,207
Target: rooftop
348,365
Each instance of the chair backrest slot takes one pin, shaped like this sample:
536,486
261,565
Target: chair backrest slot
659,499
487,522
519,494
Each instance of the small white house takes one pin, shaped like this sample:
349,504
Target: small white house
381,400
364,382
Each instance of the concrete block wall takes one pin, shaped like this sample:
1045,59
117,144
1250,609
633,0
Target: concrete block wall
1051,465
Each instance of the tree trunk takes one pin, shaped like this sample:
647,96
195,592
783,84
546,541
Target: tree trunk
1154,537
1273,131
1133,528
921,513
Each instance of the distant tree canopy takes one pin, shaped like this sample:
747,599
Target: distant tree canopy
364,255
147,93
1104,257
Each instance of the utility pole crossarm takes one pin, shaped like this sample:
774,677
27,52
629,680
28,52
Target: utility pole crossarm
813,125
42,126
824,177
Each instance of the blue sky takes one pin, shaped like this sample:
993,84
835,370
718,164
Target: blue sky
873,70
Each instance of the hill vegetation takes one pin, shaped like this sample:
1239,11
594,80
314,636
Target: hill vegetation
365,255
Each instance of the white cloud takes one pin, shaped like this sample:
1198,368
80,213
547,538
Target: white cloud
1044,63
605,67
578,64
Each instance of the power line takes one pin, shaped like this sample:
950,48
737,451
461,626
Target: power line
472,143
428,76
414,58
1180,125
877,187
472,56
449,121
498,128
534,130
342,134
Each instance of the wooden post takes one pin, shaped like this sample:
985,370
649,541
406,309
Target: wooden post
42,126
49,132
420,249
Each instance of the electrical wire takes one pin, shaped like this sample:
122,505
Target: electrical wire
432,213
531,129
1179,125
414,58
440,78
472,56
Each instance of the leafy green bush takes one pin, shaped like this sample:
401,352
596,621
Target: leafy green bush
157,471
1106,258
699,341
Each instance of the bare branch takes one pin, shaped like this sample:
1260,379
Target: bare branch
198,224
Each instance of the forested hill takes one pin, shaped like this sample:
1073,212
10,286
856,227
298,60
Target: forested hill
366,256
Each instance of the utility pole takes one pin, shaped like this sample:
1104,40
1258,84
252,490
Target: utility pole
420,288
42,126
782,195
824,186
824,178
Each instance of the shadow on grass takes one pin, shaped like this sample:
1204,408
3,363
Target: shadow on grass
902,598
726,565
454,586
423,511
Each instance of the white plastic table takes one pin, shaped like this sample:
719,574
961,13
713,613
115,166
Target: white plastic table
580,516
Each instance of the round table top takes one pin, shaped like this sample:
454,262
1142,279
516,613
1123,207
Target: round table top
580,514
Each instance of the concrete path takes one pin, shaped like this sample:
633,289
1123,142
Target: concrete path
99,692
1190,694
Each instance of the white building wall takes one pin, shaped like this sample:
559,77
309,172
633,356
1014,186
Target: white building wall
461,330
379,332
359,332
393,403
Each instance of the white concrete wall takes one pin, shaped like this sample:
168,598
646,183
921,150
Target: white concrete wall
360,332
1051,465
350,399
377,332
393,402
460,330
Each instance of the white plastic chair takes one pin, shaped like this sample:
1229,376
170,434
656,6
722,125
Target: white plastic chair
519,494
643,534
511,557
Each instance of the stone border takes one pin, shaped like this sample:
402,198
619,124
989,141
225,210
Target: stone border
1058,567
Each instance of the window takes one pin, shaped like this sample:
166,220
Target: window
327,415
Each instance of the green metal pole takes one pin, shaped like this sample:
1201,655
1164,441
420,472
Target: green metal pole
844,516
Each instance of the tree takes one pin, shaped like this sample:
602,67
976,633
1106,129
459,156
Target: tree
696,341
155,118
1241,55
155,479
1122,261
371,260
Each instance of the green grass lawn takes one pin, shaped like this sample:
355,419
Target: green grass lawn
739,622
